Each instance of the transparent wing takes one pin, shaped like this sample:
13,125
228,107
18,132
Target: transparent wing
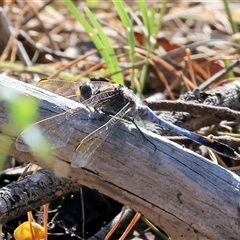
81,158
52,130
99,98
62,88
70,89
87,146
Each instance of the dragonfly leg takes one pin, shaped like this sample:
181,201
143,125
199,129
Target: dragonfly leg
143,135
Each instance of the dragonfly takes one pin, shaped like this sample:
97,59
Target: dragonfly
119,102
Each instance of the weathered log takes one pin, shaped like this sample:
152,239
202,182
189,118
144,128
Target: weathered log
31,192
178,190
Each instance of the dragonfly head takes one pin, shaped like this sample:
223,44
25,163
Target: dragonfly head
88,89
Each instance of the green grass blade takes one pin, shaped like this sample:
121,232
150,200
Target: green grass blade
129,27
151,20
87,27
113,62
148,33
144,11
96,40
152,26
130,33
230,73
229,14
142,78
158,23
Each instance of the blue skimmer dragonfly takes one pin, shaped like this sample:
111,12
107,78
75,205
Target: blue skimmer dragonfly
120,102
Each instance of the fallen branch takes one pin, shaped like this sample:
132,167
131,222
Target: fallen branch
15,201
186,195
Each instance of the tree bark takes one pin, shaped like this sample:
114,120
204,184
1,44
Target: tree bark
186,195
31,192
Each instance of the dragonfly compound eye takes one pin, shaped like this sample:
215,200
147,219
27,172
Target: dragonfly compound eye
86,91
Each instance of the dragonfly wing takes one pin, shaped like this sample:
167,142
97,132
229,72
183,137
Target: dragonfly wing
88,145
60,87
82,157
51,133
99,98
